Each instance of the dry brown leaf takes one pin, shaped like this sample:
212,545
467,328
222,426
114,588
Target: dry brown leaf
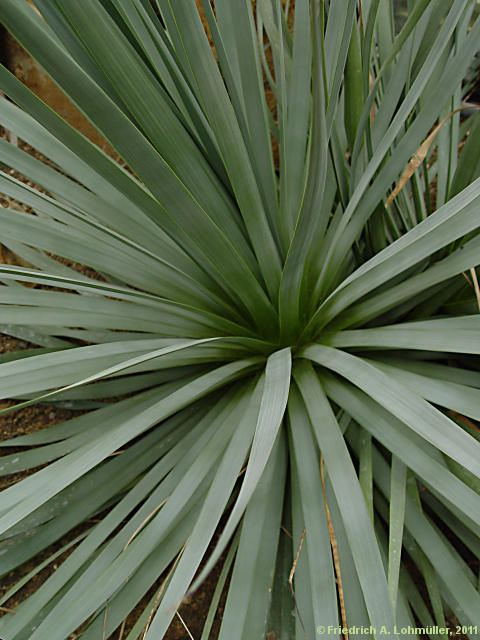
144,522
475,285
336,560
418,157
464,419
290,578
162,589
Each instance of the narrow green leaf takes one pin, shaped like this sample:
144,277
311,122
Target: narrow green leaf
307,470
396,519
408,407
358,526
252,576
269,421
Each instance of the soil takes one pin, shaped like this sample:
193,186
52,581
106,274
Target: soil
31,74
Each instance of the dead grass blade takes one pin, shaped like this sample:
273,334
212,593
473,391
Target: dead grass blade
290,580
105,620
185,626
161,590
475,285
464,419
418,157
336,561
144,522
122,629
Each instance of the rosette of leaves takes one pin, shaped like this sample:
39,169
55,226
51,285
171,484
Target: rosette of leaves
276,357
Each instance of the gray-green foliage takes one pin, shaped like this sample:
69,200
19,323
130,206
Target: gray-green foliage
251,318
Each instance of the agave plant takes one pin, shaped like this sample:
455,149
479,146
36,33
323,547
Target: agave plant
275,347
